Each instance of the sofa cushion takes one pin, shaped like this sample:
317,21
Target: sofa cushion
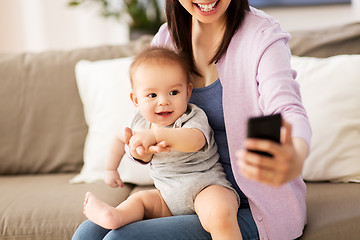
42,123
333,211
326,42
47,206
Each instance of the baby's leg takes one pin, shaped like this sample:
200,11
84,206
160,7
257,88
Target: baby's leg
217,209
144,204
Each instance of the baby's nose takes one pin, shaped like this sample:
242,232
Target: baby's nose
163,100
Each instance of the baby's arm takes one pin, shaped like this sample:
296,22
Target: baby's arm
117,151
179,139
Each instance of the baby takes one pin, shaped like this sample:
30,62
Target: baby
175,137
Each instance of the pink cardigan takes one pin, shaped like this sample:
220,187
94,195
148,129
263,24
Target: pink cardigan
257,79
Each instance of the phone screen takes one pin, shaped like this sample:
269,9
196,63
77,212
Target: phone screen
265,127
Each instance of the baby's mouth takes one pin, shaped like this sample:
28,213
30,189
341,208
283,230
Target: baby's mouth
163,114
207,7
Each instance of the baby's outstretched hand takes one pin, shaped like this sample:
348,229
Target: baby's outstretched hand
141,141
160,147
112,178
139,144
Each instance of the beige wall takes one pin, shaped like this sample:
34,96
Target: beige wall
10,27
37,25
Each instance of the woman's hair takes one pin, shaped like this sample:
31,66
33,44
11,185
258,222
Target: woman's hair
179,20
159,56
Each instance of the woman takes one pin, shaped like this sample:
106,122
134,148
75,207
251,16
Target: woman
241,68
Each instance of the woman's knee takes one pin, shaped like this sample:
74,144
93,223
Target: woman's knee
89,230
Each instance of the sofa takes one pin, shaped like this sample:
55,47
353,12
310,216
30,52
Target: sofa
43,131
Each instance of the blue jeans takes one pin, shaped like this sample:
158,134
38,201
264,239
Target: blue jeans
175,228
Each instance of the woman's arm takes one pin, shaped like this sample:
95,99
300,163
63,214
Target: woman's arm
278,93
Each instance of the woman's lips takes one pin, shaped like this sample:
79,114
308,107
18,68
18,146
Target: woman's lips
207,7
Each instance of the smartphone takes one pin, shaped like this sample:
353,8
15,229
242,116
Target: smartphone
265,127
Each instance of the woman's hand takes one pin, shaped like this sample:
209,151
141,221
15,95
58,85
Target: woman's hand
285,164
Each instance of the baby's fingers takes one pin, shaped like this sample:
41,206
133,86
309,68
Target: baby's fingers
113,184
163,147
119,183
140,150
157,149
160,147
163,144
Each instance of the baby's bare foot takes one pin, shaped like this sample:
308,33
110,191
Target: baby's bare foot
101,213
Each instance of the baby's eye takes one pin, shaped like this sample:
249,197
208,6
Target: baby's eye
173,93
152,95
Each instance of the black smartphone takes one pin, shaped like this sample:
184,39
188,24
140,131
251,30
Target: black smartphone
265,127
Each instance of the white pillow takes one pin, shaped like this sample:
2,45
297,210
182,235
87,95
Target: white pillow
330,89
104,89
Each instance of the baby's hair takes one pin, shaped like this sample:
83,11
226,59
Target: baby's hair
160,56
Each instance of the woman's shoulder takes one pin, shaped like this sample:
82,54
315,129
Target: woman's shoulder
257,23
162,37
259,16
256,34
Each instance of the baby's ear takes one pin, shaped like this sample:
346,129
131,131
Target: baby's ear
134,99
190,88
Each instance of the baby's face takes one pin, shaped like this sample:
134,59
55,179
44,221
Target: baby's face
161,92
